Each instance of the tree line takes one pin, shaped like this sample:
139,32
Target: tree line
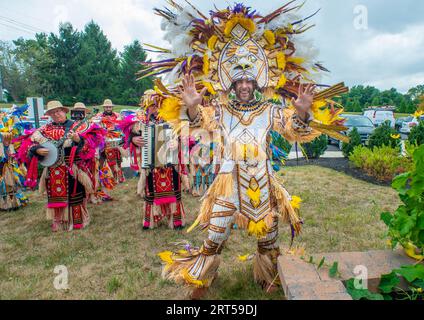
361,97
73,66
77,65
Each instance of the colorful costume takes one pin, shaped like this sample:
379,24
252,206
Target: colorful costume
113,152
12,175
231,45
160,185
69,181
203,167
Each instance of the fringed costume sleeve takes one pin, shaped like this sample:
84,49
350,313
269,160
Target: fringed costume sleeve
292,128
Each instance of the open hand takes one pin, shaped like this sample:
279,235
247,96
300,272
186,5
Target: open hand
189,93
138,141
304,100
75,137
43,152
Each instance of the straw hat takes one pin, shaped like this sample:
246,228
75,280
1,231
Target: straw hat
54,105
108,103
80,106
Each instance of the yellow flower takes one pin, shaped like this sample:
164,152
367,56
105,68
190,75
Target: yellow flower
395,136
420,290
418,113
295,202
243,258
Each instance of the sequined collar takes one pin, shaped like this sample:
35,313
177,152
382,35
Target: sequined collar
245,107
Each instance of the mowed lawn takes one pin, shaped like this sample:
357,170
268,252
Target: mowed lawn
115,259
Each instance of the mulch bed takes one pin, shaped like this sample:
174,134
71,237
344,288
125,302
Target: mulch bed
338,164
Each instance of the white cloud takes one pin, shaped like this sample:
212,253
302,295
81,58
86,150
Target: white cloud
392,49
388,60
402,83
388,54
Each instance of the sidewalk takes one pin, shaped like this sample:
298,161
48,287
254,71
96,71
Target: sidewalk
332,152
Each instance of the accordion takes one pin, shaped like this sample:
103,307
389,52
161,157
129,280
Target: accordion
156,151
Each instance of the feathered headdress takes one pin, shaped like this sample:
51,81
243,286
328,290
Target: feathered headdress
240,43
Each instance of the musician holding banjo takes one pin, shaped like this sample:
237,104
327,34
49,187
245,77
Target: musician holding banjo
65,148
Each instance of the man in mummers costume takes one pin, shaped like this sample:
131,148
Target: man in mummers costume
241,61
160,183
113,151
69,179
103,179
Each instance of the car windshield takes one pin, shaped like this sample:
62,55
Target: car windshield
358,122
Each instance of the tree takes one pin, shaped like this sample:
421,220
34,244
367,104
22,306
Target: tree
376,101
403,107
354,140
131,88
36,60
64,71
11,72
356,107
97,66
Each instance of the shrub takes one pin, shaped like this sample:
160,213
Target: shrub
417,134
382,163
383,136
316,148
355,140
406,224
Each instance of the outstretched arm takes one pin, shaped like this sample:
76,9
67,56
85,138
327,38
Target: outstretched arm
293,125
191,97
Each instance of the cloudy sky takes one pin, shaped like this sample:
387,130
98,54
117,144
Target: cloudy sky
370,42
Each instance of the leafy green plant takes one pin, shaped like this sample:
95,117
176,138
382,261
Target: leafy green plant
416,135
389,287
382,163
316,148
360,293
384,136
355,140
406,224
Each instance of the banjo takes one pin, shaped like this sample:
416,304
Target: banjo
56,154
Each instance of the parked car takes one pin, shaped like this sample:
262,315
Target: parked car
400,121
408,125
379,116
363,124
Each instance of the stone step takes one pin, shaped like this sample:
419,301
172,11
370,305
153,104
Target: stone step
303,281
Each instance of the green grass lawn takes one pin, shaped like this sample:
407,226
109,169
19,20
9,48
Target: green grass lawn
115,259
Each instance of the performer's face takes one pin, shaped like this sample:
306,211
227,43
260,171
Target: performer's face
108,109
58,116
244,90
